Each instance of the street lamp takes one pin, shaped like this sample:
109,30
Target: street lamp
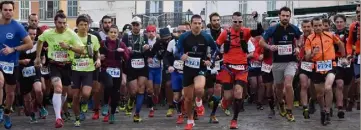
189,14
203,15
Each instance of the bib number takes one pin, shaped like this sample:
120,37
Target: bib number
61,56
8,68
178,64
237,67
307,66
256,64
29,71
193,62
154,64
44,70
266,67
114,72
81,63
324,65
284,49
138,63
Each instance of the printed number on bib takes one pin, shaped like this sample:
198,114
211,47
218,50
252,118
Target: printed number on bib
256,64
61,56
193,62
8,68
81,63
178,64
138,63
324,65
114,72
358,59
307,66
217,66
29,71
44,70
154,64
284,49
266,67
237,67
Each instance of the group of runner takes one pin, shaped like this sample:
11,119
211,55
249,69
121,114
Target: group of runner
121,71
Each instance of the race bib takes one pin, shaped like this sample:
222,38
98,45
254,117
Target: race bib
138,63
61,56
154,64
193,62
256,64
237,67
178,64
339,64
29,71
8,68
114,72
217,66
284,49
44,70
307,66
266,67
324,65
358,59
81,63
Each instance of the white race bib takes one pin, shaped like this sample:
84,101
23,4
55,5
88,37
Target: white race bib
358,59
7,67
44,70
138,63
81,64
60,56
154,64
266,67
114,72
29,71
178,64
193,62
307,66
324,65
256,64
284,49
340,65
237,67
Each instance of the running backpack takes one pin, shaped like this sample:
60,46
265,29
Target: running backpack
227,43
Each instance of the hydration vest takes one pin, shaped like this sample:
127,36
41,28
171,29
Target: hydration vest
227,43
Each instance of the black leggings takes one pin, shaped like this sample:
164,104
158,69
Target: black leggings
111,89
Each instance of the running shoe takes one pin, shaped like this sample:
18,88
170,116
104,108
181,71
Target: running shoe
106,118
306,114
105,110
233,124
170,112
43,113
59,123
7,122
77,123
82,116
189,126
200,110
180,119
137,118
111,119
151,113
95,115
84,108
1,115
213,119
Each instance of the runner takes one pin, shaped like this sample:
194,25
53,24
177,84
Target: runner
192,50
12,33
233,75
326,25
106,23
284,65
113,53
319,48
62,44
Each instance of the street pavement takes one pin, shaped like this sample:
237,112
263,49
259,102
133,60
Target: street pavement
250,119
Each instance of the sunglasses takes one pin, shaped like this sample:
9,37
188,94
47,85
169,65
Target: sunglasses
237,21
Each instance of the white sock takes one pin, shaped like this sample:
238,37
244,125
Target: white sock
198,102
57,105
63,99
190,122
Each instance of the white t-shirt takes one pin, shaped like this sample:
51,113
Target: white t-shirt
171,46
251,47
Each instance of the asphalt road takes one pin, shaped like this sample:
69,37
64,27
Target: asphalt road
251,119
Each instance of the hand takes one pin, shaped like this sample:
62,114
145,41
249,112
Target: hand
120,50
316,49
130,48
37,62
150,60
209,55
146,47
217,58
102,57
260,57
170,69
273,48
297,51
207,63
26,61
64,45
184,57
97,63
7,50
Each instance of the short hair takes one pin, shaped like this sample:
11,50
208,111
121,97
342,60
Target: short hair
32,14
196,16
5,3
237,14
315,19
285,8
82,18
325,20
60,12
212,15
59,15
305,21
343,17
106,17
32,27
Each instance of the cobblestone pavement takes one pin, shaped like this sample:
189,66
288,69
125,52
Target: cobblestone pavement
251,119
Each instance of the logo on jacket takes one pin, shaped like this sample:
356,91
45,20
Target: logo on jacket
285,38
9,36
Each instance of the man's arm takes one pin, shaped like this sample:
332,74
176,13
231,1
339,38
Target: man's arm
308,50
76,46
266,36
39,47
349,42
27,42
340,44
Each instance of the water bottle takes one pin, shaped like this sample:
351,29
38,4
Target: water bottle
90,50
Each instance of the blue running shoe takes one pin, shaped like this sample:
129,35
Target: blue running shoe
82,116
1,115
7,123
105,110
43,113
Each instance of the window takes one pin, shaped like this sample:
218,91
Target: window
48,9
72,8
24,10
243,6
271,5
